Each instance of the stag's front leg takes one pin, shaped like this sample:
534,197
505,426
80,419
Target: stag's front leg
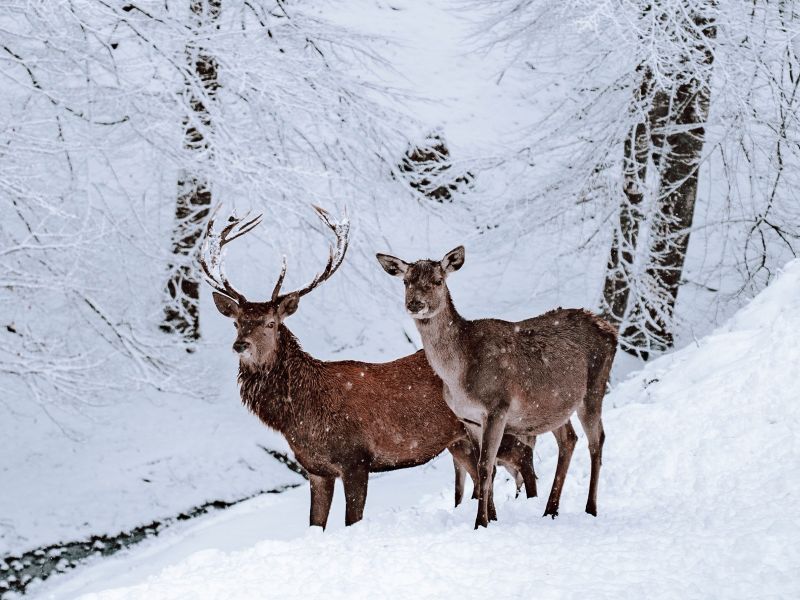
492,436
321,497
355,492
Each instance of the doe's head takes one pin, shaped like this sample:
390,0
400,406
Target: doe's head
424,280
258,324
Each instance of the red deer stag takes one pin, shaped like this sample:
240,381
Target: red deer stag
523,378
341,419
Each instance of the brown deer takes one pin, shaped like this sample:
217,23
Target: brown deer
345,418
523,378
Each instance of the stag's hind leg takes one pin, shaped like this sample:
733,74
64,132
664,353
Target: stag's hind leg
516,455
355,492
321,496
527,471
565,438
464,461
461,478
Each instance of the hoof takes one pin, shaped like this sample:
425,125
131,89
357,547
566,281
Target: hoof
550,513
591,511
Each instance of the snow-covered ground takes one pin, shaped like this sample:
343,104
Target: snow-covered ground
700,476
137,459
698,499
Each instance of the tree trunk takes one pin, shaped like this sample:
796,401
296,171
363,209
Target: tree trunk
619,269
181,314
674,128
684,135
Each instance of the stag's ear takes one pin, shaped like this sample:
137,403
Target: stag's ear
227,306
288,305
393,266
453,260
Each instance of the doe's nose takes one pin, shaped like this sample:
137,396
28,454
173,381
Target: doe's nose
240,346
414,306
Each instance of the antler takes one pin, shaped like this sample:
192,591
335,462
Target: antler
341,230
276,290
214,244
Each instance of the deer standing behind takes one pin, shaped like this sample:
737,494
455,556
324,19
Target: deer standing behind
524,378
345,418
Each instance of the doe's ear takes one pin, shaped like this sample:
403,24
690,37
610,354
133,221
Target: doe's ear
288,305
392,265
453,260
227,306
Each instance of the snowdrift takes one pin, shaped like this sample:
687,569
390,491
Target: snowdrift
698,498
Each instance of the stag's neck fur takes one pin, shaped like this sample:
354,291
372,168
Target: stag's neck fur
443,337
280,395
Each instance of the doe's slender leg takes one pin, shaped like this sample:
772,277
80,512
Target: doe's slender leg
592,424
565,438
492,436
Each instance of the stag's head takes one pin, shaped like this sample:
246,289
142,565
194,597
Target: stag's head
258,324
425,281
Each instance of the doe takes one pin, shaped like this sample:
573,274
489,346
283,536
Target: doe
524,378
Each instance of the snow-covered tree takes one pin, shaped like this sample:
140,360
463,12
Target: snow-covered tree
193,202
104,107
662,120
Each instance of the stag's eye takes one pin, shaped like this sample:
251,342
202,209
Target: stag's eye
437,281
271,324
235,325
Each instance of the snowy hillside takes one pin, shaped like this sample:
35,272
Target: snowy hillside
698,499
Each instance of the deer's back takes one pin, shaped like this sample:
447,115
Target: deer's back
542,366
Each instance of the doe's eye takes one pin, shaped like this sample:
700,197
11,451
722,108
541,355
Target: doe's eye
437,282
271,324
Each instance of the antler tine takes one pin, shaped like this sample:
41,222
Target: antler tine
341,230
214,244
277,289
246,228
208,239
